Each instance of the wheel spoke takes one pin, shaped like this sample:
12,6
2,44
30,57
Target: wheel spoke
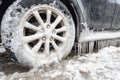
55,45
47,47
31,38
56,22
61,29
31,26
38,17
48,16
37,46
27,46
59,38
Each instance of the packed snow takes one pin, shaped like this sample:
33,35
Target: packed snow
2,49
104,65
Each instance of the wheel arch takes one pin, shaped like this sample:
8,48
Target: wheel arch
78,12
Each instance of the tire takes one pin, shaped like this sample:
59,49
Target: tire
39,33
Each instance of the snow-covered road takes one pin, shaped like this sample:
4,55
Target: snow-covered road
104,65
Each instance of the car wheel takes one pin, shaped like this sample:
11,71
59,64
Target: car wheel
39,34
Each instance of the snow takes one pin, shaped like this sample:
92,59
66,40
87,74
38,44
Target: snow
89,35
113,1
104,65
118,1
2,49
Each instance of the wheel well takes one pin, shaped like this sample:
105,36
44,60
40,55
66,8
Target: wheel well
74,16
5,4
71,9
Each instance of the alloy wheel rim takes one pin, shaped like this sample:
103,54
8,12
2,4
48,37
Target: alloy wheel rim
44,30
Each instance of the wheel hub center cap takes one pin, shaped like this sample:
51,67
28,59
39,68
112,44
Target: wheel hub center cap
48,31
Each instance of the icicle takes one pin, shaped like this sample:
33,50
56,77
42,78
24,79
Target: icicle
91,46
54,3
83,47
79,49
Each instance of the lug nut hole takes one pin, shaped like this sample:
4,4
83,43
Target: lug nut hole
44,38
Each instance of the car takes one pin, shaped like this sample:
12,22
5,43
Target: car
41,32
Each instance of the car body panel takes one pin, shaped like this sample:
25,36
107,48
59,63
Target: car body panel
100,14
116,21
